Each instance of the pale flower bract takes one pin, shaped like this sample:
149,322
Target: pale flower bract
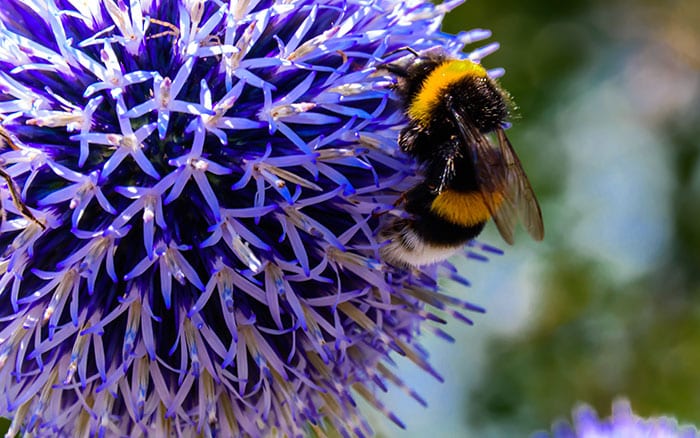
623,423
204,182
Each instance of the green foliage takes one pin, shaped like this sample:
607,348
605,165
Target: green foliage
592,342
598,334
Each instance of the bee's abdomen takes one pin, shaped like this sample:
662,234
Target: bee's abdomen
450,217
424,240
438,231
430,236
463,208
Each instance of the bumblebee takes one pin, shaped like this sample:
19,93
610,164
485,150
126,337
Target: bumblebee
456,120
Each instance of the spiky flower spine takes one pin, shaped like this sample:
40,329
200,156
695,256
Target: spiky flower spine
202,178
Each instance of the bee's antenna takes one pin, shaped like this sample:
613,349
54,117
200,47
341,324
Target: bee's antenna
401,49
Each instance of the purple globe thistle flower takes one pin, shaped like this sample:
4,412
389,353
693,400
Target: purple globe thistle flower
622,424
195,249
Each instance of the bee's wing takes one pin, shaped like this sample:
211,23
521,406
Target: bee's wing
519,191
503,184
494,183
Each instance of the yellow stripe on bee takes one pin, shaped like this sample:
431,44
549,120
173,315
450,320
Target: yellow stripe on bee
466,209
438,80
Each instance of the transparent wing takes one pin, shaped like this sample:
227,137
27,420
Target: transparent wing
492,177
519,191
504,186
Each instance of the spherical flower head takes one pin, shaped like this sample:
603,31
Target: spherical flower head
192,193
623,423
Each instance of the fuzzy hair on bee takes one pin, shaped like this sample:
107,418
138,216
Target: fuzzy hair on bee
471,174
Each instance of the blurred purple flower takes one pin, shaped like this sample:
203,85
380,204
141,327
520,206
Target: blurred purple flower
208,174
622,424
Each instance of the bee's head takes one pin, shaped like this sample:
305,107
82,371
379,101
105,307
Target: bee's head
411,69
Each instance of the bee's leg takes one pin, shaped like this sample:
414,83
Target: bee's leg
379,212
401,199
17,200
413,136
3,213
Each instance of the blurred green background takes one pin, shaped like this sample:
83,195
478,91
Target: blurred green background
609,304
